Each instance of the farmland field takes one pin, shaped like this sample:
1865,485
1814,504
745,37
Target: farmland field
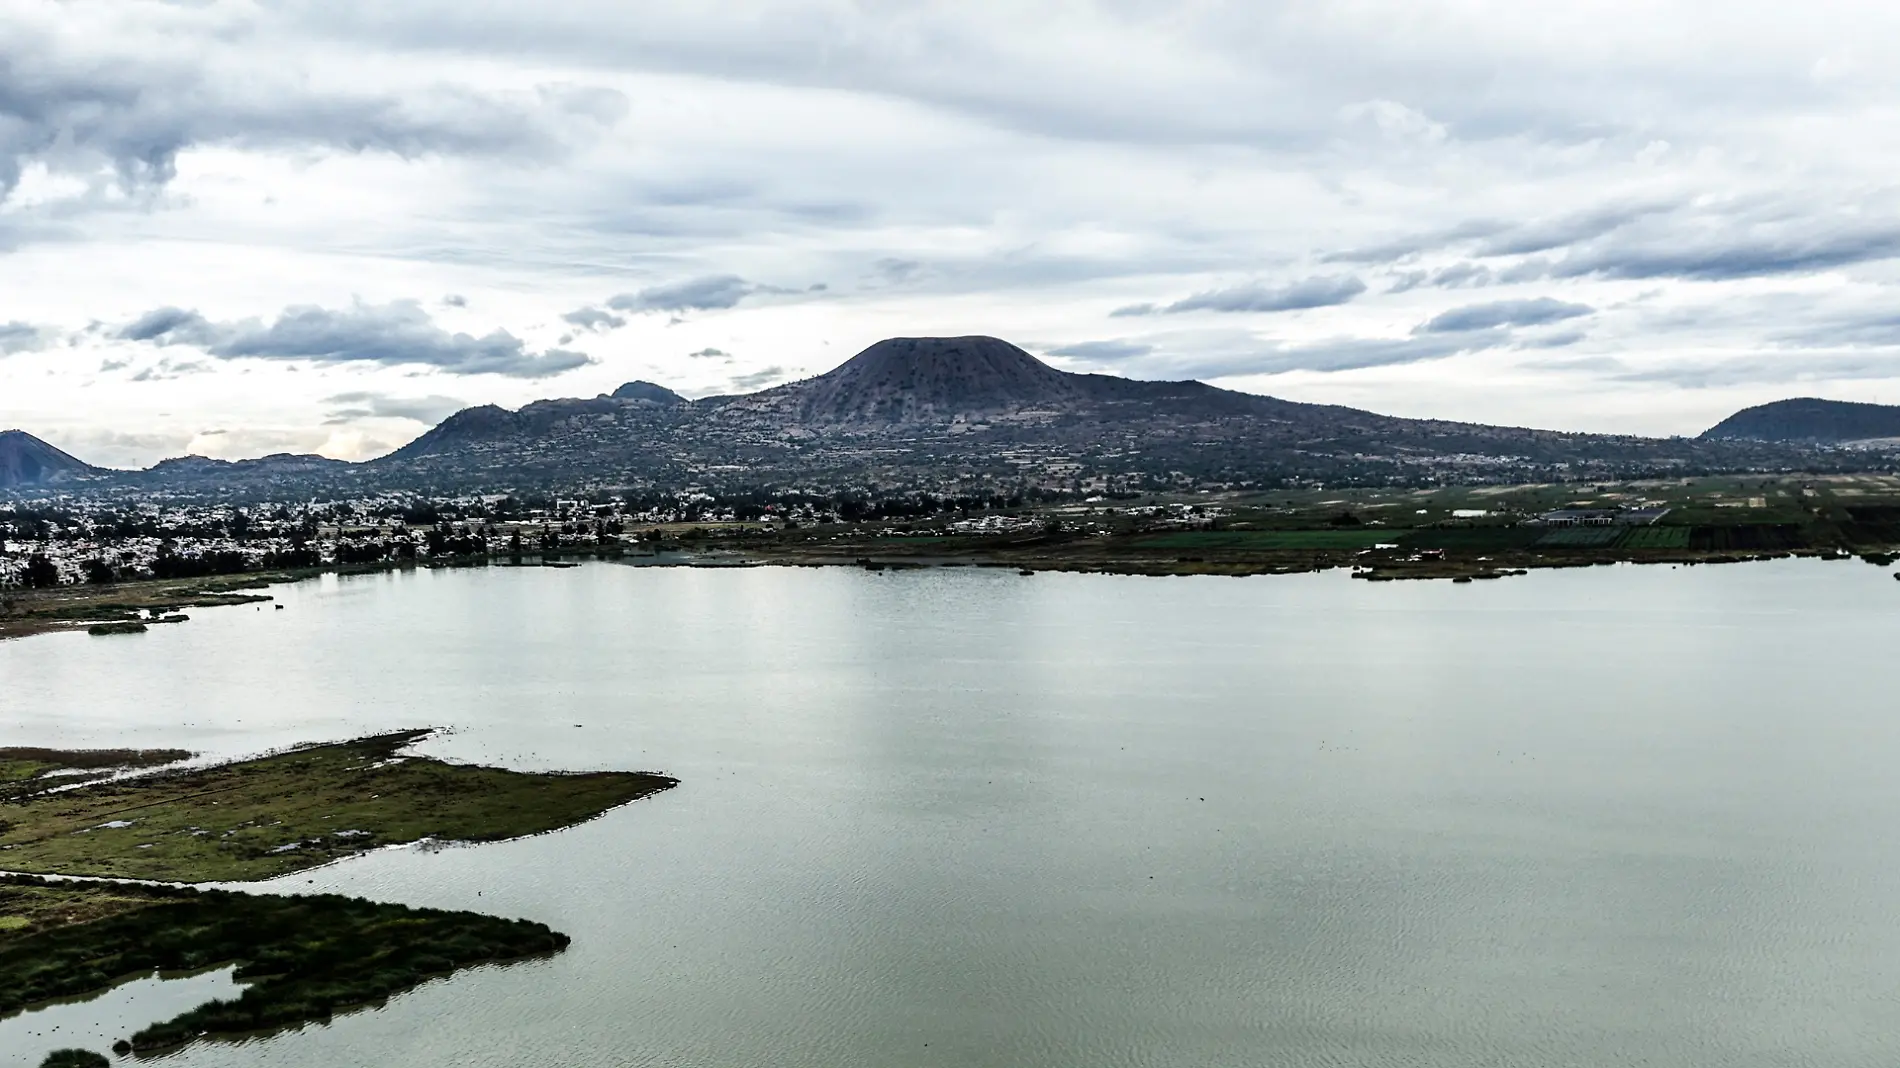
1582,537
1656,538
1267,539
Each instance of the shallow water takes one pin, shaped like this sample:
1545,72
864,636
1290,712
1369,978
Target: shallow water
1613,816
94,1024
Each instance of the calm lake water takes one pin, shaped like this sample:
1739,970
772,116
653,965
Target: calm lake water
960,818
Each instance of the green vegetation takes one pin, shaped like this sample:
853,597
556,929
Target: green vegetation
1656,538
85,607
22,766
1581,537
255,819
74,1058
1485,539
305,958
1263,539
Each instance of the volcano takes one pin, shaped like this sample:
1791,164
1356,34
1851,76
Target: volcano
27,461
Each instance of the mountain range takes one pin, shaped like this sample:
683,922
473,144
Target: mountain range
952,416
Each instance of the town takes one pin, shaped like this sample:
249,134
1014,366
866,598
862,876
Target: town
79,540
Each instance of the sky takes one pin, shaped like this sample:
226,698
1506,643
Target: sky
237,228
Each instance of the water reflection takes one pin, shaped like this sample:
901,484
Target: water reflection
95,1023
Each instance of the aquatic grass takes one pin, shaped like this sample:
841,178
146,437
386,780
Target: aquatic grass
305,957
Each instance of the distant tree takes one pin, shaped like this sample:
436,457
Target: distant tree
98,572
40,573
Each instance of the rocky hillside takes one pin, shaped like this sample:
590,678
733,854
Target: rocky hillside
26,461
915,379
1809,419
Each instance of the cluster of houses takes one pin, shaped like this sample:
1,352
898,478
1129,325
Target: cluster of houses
1602,517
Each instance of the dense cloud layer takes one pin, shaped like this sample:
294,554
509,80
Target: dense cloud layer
1614,216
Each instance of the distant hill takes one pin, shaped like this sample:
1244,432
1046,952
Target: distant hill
27,461
912,379
648,393
922,380
1809,419
977,415
276,465
489,423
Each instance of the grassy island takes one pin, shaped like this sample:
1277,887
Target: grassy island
259,818
304,958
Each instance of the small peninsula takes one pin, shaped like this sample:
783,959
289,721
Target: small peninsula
269,816
304,958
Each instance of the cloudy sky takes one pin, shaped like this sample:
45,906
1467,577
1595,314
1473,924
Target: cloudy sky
238,228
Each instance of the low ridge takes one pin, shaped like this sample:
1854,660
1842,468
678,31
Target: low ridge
1809,419
490,423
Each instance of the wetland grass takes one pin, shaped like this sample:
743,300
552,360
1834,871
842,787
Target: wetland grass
256,819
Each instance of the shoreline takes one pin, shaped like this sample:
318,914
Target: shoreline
128,607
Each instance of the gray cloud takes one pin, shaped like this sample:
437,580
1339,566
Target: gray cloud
758,379
1724,258
1103,351
1331,355
710,354
1574,229
1560,339
711,293
1877,330
1655,239
893,270
368,404
1351,354
1759,370
1505,313
596,319
455,300
170,326
397,333
1456,276
1400,248
1228,354
16,336
1495,237
1317,292
77,103
167,369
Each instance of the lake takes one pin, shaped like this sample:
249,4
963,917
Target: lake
959,817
